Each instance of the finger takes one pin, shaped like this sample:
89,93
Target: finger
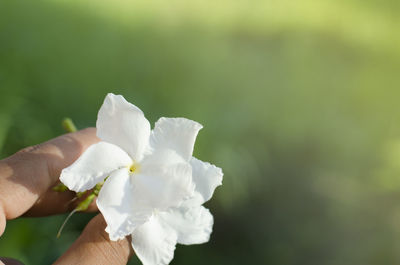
94,247
28,174
53,202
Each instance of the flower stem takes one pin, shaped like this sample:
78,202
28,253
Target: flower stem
82,206
65,222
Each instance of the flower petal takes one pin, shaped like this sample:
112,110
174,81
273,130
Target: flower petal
163,180
206,178
93,166
193,225
123,124
178,134
162,186
154,242
116,203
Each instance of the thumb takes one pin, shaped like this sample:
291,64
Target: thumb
95,247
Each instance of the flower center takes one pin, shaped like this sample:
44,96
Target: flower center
134,168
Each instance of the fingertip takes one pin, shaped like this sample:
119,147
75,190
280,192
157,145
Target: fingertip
87,134
65,149
89,130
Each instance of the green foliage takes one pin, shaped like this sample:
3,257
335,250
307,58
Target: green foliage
299,102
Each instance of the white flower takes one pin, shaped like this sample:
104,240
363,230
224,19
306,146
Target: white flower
154,188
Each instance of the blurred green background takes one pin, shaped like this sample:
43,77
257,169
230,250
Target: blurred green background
299,102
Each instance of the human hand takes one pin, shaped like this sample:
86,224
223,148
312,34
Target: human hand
26,181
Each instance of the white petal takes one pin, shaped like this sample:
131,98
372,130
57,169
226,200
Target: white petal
154,242
193,225
121,123
178,134
206,178
163,180
93,166
116,203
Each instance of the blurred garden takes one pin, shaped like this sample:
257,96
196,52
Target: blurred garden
299,102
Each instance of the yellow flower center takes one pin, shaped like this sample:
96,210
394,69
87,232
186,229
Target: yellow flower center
134,168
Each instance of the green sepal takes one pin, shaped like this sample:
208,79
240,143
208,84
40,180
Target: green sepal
98,187
80,194
60,188
83,205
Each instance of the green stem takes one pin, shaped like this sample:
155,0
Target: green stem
65,222
82,206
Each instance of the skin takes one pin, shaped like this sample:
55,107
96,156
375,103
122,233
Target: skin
26,179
